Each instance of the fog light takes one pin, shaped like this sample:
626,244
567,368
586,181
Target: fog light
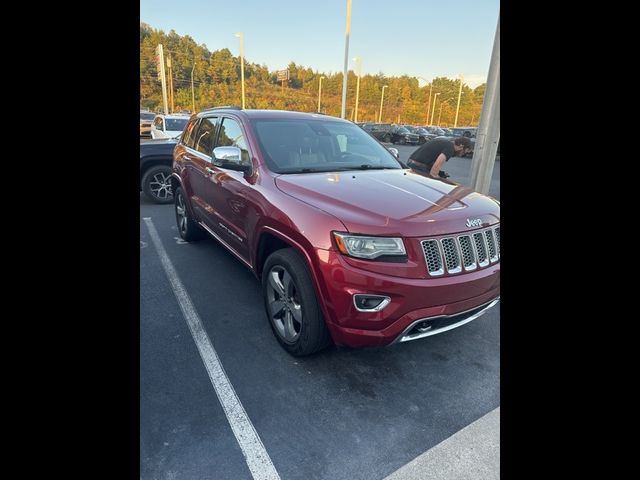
370,303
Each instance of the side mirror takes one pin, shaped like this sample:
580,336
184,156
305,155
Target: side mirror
231,158
395,153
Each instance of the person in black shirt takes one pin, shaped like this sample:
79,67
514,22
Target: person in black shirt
431,156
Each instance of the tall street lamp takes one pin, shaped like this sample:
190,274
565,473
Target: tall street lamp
193,95
319,93
346,61
429,101
381,102
358,61
433,110
241,36
455,122
440,113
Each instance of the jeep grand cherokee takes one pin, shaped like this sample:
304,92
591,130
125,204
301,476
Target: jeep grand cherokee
349,246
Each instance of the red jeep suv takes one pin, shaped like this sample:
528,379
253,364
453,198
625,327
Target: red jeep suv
349,246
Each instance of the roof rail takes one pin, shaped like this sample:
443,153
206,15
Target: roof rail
226,107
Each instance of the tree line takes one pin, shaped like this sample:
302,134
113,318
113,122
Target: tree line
216,81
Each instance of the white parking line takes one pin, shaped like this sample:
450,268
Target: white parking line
255,454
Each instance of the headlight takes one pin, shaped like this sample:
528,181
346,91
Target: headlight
369,247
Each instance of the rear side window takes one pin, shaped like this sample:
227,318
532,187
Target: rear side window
204,137
189,133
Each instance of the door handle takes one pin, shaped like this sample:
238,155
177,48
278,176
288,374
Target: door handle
209,170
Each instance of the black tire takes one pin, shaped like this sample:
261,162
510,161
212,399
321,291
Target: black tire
311,334
156,184
188,229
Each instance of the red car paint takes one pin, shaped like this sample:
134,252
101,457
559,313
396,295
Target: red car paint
302,210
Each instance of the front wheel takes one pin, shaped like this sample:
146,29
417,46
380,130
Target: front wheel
291,305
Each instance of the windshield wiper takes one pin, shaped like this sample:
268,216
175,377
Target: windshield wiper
366,166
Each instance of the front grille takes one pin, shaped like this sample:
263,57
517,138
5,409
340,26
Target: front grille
463,253
433,257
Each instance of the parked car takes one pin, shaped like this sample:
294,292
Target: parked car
146,118
348,245
156,157
423,134
167,126
435,130
402,135
469,132
380,131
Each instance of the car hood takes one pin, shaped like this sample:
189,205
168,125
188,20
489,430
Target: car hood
392,202
158,145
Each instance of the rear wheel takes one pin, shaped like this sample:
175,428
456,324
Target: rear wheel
156,184
291,305
189,230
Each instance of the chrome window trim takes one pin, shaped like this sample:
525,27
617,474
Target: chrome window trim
403,337
198,154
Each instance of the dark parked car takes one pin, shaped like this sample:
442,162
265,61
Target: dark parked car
423,134
156,157
469,132
349,246
403,136
380,131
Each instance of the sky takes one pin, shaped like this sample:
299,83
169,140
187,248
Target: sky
419,38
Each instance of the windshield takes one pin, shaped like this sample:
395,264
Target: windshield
304,146
175,123
147,115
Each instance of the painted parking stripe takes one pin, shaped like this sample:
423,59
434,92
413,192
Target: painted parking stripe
469,454
255,454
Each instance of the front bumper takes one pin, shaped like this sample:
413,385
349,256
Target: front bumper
412,301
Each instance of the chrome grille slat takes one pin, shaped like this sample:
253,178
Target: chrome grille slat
481,249
493,253
451,255
497,233
468,255
433,257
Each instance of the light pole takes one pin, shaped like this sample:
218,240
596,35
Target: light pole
319,93
241,36
193,95
381,101
429,101
346,61
455,122
358,61
433,110
440,112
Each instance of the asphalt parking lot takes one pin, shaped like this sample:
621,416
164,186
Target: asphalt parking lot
340,414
